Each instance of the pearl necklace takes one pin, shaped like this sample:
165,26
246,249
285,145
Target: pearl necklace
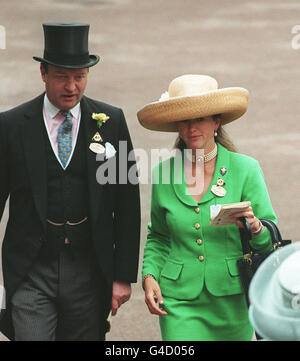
209,156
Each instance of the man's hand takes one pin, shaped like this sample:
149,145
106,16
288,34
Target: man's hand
121,293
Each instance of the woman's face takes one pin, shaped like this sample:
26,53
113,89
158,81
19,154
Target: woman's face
198,133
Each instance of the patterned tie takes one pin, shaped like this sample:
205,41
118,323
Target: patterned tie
64,138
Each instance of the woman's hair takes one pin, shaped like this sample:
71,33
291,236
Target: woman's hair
221,138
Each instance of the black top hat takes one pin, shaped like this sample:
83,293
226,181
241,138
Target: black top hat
66,46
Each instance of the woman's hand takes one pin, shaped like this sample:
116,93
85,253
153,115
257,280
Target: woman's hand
152,296
255,224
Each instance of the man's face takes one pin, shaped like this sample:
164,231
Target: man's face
64,87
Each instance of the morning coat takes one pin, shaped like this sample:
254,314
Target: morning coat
114,209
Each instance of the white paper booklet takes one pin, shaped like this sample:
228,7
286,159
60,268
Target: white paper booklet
220,213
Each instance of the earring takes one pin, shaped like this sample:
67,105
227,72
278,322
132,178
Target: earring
216,133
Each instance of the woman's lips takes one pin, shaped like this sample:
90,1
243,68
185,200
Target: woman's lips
194,137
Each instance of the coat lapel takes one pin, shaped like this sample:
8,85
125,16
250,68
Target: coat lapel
223,160
35,155
95,189
181,189
178,182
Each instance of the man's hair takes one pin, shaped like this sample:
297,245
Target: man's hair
45,66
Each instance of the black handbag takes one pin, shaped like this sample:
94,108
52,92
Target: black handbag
251,260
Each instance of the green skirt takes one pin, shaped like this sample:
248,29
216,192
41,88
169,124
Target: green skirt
207,318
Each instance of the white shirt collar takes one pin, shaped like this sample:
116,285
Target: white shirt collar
52,110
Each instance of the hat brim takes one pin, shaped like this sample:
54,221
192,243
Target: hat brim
270,318
230,103
93,60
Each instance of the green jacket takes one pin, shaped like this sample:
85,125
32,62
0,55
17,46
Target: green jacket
174,244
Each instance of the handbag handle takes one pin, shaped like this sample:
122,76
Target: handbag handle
277,240
273,229
246,235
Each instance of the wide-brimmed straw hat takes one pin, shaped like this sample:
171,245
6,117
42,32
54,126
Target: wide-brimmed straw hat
275,296
192,97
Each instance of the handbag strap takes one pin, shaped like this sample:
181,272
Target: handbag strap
246,236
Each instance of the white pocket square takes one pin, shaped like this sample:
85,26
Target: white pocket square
109,150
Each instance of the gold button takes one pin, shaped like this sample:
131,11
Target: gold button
197,225
197,209
199,241
201,258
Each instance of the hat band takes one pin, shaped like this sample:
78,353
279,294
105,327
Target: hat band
66,59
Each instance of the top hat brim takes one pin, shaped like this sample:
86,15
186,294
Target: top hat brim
230,103
93,60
